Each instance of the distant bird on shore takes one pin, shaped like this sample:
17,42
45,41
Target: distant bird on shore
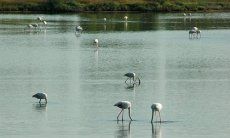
156,107
123,105
31,26
96,41
184,14
126,18
132,76
40,96
40,18
104,19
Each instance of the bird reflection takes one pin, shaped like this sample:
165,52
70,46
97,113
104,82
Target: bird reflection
40,106
156,130
123,130
125,26
104,27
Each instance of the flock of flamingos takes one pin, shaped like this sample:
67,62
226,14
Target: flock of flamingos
156,107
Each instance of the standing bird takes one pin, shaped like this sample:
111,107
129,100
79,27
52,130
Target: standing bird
131,76
104,19
156,107
40,96
96,42
123,105
126,18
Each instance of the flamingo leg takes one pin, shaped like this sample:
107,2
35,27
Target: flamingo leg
119,114
126,80
122,115
40,100
152,116
159,115
130,115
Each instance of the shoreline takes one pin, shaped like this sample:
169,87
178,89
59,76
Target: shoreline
144,6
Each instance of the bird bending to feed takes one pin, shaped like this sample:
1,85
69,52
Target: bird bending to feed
132,76
123,105
40,18
96,42
40,96
194,32
79,29
156,107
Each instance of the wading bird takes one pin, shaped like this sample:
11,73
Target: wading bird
194,32
126,18
31,26
79,29
96,42
40,96
123,105
132,76
40,18
156,107
104,19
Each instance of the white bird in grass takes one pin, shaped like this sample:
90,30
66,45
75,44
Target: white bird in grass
156,107
132,76
123,105
40,96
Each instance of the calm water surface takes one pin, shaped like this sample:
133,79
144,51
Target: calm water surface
190,77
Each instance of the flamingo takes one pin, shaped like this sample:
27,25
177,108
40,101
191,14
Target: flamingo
32,26
40,96
40,18
79,29
123,105
132,75
184,14
156,107
96,41
104,19
126,18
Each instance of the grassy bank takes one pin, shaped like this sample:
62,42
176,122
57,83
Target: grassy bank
58,6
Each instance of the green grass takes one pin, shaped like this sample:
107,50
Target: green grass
114,5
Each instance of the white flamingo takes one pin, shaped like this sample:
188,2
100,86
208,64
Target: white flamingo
194,31
31,26
40,96
156,107
96,41
126,18
123,105
40,18
104,19
79,29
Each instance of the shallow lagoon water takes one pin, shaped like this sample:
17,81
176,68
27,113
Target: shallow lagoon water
190,77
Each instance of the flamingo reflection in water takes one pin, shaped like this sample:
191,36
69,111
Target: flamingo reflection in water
123,130
156,131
